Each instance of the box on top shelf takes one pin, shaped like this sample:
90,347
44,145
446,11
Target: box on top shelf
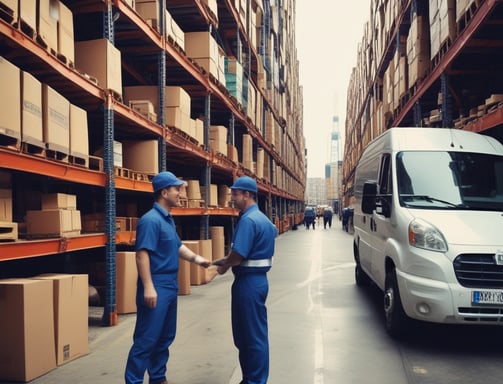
31,116
28,13
10,118
99,58
66,46
27,344
47,23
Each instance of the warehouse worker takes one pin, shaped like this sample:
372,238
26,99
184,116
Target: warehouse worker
157,250
251,254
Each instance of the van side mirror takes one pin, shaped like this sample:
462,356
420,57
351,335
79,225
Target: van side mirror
369,197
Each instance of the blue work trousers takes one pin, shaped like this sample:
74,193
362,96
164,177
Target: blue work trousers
154,332
249,325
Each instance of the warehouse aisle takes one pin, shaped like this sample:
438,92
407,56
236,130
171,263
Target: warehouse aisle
302,322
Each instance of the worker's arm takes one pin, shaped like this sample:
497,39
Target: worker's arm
143,266
227,262
185,253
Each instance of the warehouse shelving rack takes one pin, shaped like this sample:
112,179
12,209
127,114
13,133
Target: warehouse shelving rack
466,71
135,38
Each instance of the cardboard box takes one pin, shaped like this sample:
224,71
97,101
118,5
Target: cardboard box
201,45
6,205
205,250
99,58
10,118
197,274
56,120
27,347
66,46
31,117
28,13
71,294
126,281
59,201
141,156
79,137
47,22
184,277
55,222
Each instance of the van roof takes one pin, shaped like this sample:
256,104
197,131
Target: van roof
436,139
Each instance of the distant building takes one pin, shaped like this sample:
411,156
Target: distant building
316,191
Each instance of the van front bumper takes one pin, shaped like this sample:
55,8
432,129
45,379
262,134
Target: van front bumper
440,302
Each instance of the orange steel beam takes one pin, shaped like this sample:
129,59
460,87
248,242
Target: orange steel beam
23,249
60,170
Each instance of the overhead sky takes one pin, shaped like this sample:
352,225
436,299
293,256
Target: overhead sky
328,33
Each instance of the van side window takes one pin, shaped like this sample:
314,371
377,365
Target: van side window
385,186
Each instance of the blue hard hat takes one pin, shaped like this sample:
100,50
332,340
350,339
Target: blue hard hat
165,180
245,183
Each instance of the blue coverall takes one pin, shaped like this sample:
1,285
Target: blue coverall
155,327
253,239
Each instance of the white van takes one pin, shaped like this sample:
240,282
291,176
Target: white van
428,220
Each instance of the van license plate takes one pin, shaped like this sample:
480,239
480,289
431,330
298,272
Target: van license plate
487,297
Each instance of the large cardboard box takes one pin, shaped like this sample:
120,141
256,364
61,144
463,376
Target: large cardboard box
184,277
197,274
56,120
10,118
126,281
141,156
205,250
54,222
99,58
31,117
28,13
47,22
27,347
71,295
66,46
79,137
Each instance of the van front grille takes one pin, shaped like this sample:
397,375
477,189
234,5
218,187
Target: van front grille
478,270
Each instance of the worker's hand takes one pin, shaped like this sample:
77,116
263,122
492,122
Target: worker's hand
221,269
219,262
201,261
150,297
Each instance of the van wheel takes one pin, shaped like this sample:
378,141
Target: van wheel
396,319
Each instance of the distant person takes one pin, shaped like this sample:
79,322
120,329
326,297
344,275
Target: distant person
345,218
309,217
251,255
158,248
327,218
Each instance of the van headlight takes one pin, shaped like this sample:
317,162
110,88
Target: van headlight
424,235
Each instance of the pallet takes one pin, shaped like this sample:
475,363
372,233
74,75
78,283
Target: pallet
26,28
6,13
465,19
444,48
7,140
52,154
33,149
8,231
183,202
33,236
81,161
123,172
95,163
70,64
88,77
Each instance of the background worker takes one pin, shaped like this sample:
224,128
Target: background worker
251,255
158,248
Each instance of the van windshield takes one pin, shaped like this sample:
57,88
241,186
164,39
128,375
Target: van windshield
450,180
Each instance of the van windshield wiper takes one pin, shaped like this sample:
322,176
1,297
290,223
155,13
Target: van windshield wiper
430,199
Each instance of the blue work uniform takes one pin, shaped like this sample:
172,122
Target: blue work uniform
253,239
155,327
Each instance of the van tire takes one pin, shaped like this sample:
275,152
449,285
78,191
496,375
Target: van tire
396,320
